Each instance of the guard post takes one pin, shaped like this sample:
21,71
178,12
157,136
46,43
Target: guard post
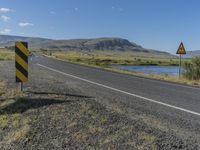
21,62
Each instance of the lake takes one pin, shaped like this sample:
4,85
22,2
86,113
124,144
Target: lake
170,70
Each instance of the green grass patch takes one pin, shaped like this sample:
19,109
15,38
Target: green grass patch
192,69
107,59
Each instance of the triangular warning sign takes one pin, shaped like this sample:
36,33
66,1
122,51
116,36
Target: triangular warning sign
181,49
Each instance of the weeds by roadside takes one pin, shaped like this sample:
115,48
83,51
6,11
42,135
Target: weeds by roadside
192,69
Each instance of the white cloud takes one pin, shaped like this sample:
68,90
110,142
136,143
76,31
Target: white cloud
5,18
76,9
5,31
52,12
5,10
25,24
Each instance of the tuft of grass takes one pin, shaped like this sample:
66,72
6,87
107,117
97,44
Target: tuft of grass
4,121
15,120
148,138
9,120
17,134
148,141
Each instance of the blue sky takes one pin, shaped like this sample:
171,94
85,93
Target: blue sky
156,24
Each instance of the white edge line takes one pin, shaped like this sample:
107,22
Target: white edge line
124,92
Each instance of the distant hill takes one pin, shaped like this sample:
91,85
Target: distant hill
9,40
117,44
84,45
191,54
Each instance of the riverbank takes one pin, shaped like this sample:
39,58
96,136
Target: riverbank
150,69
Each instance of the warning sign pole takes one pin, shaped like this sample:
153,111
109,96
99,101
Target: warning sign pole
180,65
181,51
22,87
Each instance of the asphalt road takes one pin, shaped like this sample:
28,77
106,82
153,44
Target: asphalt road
174,96
169,107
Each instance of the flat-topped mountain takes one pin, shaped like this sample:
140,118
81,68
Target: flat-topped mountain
88,45
91,44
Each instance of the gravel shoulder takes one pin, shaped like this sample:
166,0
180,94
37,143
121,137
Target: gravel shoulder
59,113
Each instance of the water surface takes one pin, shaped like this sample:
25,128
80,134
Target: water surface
163,70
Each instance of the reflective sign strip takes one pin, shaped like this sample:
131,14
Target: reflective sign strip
22,48
20,76
20,61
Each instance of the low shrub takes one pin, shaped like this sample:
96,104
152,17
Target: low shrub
192,69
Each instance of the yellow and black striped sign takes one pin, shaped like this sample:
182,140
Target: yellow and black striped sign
21,61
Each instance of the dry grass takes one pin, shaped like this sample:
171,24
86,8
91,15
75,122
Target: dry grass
106,58
147,140
12,125
3,121
6,54
18,134
170,78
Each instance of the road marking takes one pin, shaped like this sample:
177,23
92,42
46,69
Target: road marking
121,91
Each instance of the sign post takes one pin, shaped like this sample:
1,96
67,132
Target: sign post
181,51
21,62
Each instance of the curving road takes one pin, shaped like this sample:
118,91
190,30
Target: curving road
166,106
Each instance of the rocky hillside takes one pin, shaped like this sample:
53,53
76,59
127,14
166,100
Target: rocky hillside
98,44
91,44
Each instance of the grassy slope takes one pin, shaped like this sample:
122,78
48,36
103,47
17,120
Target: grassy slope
12,126
11,122
108,58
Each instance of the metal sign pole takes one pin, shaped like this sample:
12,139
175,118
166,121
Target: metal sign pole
180,64
21,86
181,51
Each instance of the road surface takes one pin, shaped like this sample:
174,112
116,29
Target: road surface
177,97
167,106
